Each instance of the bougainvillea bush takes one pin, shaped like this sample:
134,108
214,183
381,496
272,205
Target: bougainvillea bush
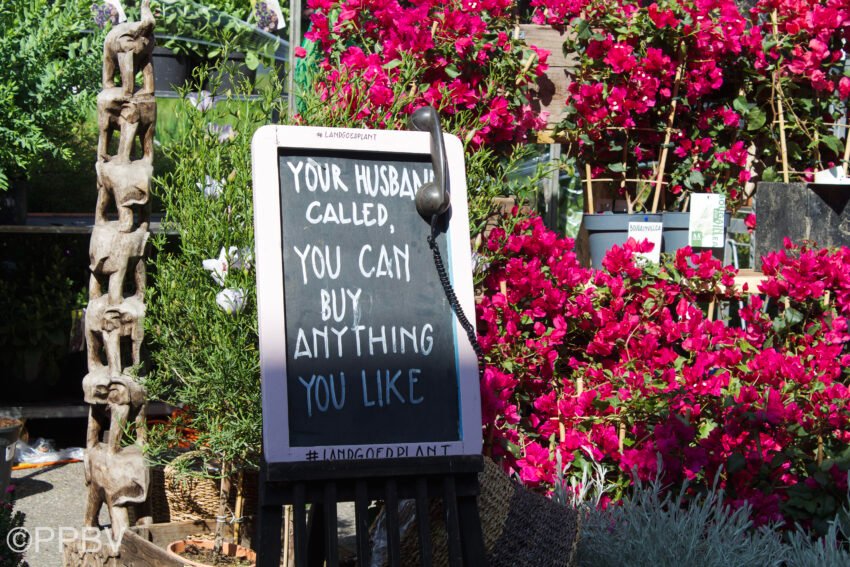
379,61
799,77
646,67
622,366
716,76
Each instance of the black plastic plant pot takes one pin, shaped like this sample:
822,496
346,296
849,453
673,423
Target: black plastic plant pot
231,74
674,233
608,229
10,429
171,70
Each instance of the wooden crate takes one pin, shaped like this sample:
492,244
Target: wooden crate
141,546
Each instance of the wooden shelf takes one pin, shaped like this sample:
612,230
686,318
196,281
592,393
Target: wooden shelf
64,223
64,410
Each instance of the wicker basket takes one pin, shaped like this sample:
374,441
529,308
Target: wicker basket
519,526
176,497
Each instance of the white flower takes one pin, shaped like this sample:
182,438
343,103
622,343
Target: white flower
232,301
203,102
233,257
225,133
211,187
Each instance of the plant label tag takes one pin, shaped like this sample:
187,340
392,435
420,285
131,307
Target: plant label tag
650,231
278,22
706,226
10,452
832,176
122,17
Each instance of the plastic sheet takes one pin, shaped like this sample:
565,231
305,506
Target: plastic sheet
44,451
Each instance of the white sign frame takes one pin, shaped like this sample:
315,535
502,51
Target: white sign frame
266,145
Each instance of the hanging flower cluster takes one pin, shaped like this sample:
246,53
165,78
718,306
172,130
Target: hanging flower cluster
624,366
381,60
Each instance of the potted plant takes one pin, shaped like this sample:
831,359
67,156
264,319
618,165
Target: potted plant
198,33
201,319
10,429
651,110
799,83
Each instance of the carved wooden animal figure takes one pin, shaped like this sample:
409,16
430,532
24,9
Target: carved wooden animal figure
111,255
106,325
129,46
115,401
118,479
128,186
132,117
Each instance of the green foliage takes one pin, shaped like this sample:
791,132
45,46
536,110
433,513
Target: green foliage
199,29
9,520
206,360
48,80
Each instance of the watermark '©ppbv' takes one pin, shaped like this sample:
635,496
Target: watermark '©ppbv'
23,539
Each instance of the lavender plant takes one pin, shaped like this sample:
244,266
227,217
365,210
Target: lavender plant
653,528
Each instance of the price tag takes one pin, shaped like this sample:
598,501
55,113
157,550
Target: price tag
706,227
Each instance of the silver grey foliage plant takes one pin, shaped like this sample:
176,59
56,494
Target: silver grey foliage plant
655,528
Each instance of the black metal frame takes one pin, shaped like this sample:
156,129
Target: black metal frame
322,485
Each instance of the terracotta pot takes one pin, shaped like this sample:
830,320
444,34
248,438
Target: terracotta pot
231,549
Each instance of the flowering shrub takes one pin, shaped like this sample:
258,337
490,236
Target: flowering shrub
797,55
646,67
379,61
622,366
707,82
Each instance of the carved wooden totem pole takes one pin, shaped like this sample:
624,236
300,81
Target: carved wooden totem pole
116,474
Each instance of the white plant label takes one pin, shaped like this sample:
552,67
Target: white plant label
650,231
122,17
705,229
10,452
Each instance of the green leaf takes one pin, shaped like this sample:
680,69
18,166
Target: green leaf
617,167
769,174
833,143
741,105
695,179
755,119
452,71
395,63
735,463
252,60
792,316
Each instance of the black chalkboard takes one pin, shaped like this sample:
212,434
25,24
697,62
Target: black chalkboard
361,354
370,353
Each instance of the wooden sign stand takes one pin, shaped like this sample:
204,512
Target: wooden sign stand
383,402
454,480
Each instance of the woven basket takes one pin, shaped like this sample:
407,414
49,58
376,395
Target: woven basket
176,497
520,528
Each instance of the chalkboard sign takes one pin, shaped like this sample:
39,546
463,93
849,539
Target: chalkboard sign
361,354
